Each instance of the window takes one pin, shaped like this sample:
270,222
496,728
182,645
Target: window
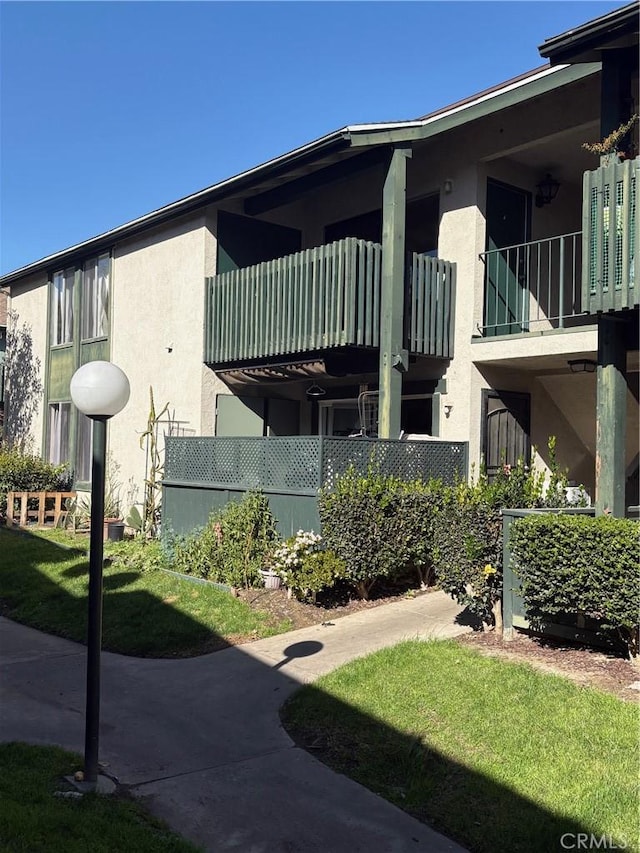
83,449
62,307
59,420
95,298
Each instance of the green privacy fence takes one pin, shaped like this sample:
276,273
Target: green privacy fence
204,473
611,236
324,298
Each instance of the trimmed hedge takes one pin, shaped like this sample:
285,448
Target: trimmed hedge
383,527
379,526
578,564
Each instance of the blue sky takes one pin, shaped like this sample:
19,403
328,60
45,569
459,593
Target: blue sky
109,110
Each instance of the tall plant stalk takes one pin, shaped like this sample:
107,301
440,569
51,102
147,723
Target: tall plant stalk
154,468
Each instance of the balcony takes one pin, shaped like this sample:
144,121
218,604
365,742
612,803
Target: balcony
565,281
534,286
321,299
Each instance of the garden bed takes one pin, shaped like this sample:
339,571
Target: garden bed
330,605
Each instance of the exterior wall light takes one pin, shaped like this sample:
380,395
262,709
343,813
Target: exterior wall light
547,190
315,391
582,365
100,390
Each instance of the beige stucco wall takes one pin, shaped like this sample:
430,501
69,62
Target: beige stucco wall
29,303
157,335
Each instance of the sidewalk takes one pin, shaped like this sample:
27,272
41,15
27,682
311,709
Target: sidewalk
200,738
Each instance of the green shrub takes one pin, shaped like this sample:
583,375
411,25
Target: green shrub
467,549
467,540
578,564
22,472
138,555
234,546
378,525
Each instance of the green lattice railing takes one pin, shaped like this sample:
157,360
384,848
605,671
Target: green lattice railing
611,236
304,464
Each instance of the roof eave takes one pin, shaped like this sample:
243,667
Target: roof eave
569,45
181,207
493,100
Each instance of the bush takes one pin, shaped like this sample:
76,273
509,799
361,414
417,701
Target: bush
467,549
22,472
467,540
379,526
578,564
138,555
304,567
235,545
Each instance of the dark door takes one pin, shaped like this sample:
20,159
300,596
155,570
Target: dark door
506,429
508,214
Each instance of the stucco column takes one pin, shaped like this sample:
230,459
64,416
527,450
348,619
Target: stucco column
611,416
394,359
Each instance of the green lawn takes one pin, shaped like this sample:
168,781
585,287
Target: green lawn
44,583
34,820
494,754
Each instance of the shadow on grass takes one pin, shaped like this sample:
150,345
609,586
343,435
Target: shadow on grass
135,622
230,702
470,807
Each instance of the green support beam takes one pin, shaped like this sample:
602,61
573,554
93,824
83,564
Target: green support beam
394,359
611,417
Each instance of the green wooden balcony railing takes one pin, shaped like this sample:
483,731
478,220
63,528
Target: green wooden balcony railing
320,299
611,235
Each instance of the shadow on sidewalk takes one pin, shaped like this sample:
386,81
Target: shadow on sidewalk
194,734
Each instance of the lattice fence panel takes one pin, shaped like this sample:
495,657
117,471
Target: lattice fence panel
305,463
407,460
292,464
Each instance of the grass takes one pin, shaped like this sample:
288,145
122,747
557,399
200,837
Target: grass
44,583
496,755
33,820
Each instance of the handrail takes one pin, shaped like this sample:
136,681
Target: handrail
537,283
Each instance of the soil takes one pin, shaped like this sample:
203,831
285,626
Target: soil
303,614
590,667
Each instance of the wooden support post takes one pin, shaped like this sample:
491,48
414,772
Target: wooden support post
394,359
611,416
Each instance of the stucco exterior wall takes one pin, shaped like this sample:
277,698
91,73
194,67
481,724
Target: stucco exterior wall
156,336
28,303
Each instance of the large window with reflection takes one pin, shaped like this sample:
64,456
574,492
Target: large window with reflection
95,298
62,288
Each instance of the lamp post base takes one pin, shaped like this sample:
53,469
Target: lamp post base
103,785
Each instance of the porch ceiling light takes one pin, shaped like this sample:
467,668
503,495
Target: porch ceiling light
315,391
547,190
582,365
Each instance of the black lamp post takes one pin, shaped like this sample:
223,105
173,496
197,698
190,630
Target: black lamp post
99,390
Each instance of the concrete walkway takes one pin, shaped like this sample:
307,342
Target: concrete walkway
200,738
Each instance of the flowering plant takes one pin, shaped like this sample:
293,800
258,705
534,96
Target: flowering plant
304,566
289,556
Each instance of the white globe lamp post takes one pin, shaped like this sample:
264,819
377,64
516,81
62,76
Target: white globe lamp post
99,389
